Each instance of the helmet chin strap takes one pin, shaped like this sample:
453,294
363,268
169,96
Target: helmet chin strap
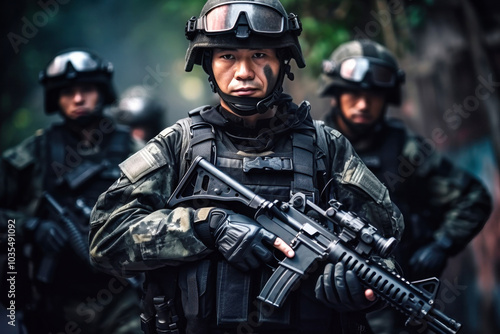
247,106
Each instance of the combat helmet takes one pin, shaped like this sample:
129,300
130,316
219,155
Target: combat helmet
362,64
244,24
76,66
138,108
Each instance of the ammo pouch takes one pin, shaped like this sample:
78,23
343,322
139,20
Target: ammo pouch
196,282
213,288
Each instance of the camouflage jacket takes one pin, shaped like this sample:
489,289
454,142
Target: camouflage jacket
133,230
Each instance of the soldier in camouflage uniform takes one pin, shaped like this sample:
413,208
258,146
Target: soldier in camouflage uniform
139,110
204,265
444,207
73,162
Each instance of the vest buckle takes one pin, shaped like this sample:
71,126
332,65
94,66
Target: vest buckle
267,163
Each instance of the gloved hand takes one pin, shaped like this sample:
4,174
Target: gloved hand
341,289
50,236
429,261
240,239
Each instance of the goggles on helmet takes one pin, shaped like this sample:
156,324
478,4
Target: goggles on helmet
356,70
81,61
261,19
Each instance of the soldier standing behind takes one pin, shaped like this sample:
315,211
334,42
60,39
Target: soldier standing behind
444,207
139,110
48,186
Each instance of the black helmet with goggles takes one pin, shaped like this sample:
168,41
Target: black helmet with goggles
244,24
364,65
72,67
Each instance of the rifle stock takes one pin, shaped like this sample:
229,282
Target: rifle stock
354,246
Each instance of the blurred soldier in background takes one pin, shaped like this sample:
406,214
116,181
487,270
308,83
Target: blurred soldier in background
141,111
444,207
48,185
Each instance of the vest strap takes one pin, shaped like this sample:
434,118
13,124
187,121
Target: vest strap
267,163
202,141
304,165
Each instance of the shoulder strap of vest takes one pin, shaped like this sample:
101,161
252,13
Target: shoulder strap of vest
304,152
119,143
395,141
54,153
382,156
185,124
320,135
202,137
303,165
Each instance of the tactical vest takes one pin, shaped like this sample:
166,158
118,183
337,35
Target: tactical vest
290,169
212,291
70,173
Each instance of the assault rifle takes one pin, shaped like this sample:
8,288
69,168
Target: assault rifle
76,239
354,245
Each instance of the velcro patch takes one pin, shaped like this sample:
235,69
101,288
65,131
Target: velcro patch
335,133
18,158
143,162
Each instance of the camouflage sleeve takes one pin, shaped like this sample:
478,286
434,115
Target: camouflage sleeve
359,190
131,230
462,201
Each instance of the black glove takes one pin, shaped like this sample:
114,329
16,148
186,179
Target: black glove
341,289
429,261
240,239
50,236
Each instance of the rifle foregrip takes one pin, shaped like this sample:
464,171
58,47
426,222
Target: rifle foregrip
279,286
396,291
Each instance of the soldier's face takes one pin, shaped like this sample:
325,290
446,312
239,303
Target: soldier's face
245,72
362,107
78,100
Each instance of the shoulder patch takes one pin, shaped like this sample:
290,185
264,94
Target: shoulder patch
357,174
165,132
335,133
143,162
